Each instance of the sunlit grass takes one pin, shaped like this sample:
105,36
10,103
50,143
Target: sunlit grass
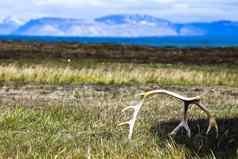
87,127
72,132
60,132
117,73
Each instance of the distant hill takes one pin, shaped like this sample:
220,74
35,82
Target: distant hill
132,19
47,26
222,28
8,25
120,25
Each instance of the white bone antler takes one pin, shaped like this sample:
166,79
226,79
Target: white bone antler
132,121
184,123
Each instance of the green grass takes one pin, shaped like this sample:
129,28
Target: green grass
73,132
88,127
93,72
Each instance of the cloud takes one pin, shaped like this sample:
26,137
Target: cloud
176,10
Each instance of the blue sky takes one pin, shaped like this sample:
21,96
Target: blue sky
174,10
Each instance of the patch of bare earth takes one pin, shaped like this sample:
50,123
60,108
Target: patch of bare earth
39,95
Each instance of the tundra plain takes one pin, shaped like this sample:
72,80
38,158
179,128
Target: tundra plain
66,103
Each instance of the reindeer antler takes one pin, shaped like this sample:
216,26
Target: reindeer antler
132,121
184,123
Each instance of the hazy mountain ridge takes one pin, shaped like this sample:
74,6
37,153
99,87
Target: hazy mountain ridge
8,25
120,25
131,19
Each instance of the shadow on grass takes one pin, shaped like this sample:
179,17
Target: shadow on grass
223,146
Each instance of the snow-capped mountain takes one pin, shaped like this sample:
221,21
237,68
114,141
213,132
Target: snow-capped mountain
8,25
114,25
120,25
132,19
47,26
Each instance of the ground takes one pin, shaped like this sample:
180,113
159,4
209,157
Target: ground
55,108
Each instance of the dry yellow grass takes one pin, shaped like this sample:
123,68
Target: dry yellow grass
116,73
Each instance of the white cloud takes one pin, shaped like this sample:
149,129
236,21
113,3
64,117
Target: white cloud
176,10
59,2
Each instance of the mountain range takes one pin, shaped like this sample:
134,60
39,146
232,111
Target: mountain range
8,25
120,25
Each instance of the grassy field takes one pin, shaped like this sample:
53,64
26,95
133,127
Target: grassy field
87,126
90,71
65,108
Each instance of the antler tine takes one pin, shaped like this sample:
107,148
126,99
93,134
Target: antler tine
132,121
212,120
184,122
124,123
129,107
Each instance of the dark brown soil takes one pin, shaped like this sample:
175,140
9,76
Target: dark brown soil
121,53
